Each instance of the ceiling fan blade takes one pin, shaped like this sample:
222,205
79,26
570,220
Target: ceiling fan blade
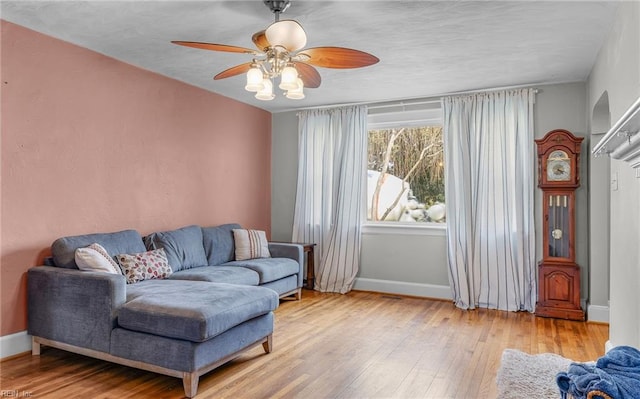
338,57
309,75
215,47
260,40
233,71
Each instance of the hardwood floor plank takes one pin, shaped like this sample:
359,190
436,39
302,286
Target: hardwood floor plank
359,345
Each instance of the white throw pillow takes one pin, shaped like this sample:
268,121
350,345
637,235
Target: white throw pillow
251,244
96,259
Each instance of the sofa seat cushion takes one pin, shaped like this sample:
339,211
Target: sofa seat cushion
269,269
192,310
219,274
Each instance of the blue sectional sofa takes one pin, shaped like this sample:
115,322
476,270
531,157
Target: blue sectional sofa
206,311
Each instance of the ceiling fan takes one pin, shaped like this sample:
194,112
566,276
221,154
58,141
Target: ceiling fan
281,54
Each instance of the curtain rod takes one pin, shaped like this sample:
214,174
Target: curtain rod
535,90
402,103
420,100
437,98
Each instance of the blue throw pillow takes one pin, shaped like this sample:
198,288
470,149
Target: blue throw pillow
183,247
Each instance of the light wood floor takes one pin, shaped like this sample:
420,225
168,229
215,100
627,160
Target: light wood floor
359,345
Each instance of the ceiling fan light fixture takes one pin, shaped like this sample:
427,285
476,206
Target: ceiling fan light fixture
254,79
297,93
266,93
288,34
288,78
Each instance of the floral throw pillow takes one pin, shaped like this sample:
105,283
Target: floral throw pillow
145,266
251,244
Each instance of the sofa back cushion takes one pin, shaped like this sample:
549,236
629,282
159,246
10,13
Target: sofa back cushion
183,247
219,244
63,250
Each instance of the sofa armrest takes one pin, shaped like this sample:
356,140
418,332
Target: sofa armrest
292,251
73,306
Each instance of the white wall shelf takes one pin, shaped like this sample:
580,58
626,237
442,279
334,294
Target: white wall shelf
622,141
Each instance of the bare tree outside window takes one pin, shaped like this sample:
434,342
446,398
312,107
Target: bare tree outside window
406,175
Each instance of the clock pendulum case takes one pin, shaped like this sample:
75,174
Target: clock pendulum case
558,274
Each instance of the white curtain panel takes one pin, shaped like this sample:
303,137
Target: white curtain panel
490,172
329,209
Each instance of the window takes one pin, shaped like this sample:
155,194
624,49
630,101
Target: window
405,171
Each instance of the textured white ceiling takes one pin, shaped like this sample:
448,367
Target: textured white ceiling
426,48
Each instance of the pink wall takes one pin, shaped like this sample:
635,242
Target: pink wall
90,144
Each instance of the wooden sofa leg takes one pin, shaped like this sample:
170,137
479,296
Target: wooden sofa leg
190,384
268,344
35,347
298,294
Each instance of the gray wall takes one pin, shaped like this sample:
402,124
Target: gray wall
417,264
284,173
599,233
616,73
405,261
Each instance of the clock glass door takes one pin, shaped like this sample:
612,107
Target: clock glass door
558,225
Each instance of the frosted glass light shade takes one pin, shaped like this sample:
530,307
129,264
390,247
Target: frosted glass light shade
289,78
254,79
297,93
266,93
288,34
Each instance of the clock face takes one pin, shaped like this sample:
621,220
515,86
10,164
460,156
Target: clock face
559,170
558,166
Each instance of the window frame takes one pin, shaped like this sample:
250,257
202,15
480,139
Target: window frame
397,115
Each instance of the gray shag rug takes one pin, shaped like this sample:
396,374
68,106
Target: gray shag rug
522,375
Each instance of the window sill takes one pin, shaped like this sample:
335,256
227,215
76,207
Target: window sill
399,228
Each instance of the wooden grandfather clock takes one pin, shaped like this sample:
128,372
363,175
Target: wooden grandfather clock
558,273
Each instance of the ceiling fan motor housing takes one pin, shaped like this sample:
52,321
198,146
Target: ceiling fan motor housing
277,6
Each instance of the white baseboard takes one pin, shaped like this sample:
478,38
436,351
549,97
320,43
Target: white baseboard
608,346
403,288
14,344
598,313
